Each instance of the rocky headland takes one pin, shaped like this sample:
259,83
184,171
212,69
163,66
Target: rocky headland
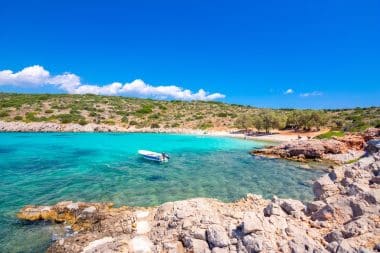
344,217
338,149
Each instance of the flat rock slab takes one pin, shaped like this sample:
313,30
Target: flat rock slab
141,214
142,227
98,245
140,244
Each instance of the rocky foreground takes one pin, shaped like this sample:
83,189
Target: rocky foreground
339,150
343,218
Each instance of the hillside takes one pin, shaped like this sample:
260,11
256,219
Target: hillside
139,113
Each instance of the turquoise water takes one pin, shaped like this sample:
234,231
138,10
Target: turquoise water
43,168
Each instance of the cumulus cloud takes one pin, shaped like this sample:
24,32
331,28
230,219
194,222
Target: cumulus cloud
311,94
37,76
289,91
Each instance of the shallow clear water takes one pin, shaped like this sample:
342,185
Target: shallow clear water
43,168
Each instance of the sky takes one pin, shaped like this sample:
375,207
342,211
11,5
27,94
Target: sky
280,54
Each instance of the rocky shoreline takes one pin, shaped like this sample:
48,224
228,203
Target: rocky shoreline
343,218
339,149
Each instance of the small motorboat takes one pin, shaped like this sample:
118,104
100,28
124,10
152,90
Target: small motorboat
154,156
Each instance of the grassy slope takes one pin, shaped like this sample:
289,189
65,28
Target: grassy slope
139,113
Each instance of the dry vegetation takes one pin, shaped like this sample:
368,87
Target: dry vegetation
139,113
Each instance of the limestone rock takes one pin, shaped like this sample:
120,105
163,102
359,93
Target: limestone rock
252,222
100,245
323,214
219,250
324,187
372,133
291,205
253,243
140,244
217,236
273,209
312,207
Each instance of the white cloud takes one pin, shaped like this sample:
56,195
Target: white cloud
289,91
37,76
32,76
311,94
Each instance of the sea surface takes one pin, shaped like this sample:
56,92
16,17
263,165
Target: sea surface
44,168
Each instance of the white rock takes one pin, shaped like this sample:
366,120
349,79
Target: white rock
140,244
95,246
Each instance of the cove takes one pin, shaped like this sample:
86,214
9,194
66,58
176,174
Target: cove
44,168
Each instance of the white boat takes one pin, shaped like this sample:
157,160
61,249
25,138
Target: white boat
154,156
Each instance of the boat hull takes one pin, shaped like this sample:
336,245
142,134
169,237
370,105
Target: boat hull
152,156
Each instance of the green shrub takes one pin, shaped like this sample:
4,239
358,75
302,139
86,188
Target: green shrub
68,118
124,119
49,111
109,122
3,114
154,116
145,109
82,122
162,107
18,118
154,125
30,116
121,113
174,125
133,123
205,125
330,134
222,114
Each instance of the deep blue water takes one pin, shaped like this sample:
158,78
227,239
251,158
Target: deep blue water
43,168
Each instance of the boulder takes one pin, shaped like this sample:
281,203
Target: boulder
291,205
334,236
252,223
357,227
371,133
373,146
217,236
324,187
314,206
253,243
199,233
200,246
372,196
323,214
344,247
173,247
273,209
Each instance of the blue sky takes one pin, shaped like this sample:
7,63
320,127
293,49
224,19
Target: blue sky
247,52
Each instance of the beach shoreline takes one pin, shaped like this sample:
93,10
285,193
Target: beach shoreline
45,127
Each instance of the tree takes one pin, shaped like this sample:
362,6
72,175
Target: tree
244,122
306,120
268,120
